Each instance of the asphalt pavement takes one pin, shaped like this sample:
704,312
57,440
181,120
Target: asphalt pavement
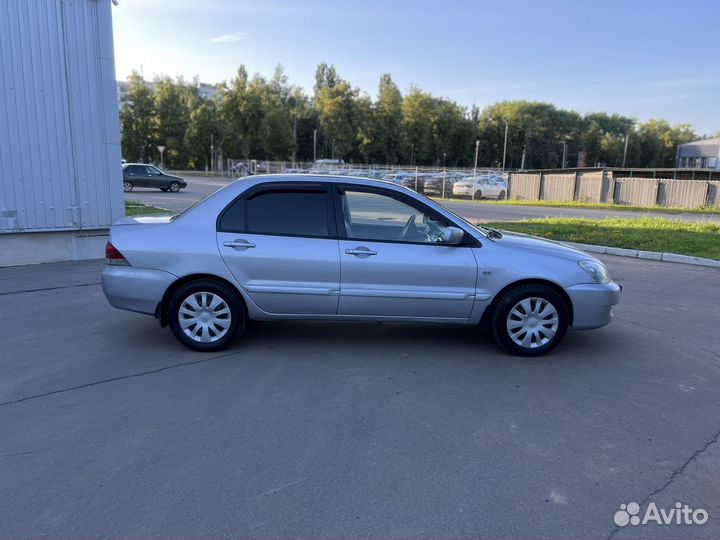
475,211
109,428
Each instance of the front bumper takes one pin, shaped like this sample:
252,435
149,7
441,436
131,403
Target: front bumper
592,304
135,289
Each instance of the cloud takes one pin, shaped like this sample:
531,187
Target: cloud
229,38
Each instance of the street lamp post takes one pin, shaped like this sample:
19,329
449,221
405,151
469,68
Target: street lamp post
505,145
564,159
444,176
627,138
314,146
477,149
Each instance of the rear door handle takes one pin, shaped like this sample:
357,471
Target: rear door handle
238,244
361,251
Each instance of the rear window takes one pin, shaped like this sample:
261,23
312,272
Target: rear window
280,212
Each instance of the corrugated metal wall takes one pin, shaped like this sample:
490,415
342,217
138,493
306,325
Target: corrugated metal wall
558,187
59,135
682,193
636,191
589,187
524,186
714,194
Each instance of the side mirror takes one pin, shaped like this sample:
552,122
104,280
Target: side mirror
452,235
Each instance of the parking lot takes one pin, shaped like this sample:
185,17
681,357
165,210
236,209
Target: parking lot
335,430
474,211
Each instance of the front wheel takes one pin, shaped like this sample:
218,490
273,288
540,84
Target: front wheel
206,315
127,187
530,320
175,187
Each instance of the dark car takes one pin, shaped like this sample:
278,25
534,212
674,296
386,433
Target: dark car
434,185
149,176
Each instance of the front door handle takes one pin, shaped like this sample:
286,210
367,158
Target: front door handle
238,244
361,251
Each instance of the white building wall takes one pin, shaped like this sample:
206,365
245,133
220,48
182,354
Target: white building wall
60,166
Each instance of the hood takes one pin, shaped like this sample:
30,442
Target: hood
527,242
144,220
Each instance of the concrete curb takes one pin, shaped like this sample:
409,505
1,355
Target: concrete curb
647,255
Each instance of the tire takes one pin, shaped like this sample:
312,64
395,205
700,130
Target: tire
127,186
174,187
208,334
522,334
477,195
501,196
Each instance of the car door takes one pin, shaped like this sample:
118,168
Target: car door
135,175
280,243
392,264
491,189
155,177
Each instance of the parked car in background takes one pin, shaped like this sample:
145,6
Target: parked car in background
481,187
434,184
281,247
149,176
415,181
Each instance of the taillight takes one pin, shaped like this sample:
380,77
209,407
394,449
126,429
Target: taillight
113,256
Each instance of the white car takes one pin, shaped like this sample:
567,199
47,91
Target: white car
488,187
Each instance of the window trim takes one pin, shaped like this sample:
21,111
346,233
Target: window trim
268,187
468,239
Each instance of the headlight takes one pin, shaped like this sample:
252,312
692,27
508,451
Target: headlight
596,270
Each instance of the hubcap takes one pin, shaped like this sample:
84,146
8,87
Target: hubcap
204,317
532,322
174,187
127,186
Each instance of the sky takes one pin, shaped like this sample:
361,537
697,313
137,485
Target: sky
640,58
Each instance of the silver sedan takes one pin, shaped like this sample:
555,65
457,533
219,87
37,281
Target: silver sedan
324,247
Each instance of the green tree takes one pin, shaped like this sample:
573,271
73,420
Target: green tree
201,134
335,101
174,100
417,128
656,142
388,122
137,121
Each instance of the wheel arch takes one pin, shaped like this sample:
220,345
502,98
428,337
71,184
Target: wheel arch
161,311
485,319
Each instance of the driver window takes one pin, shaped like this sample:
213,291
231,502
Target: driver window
371,216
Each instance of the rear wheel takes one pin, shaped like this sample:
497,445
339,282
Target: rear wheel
530,320
175,187
501,195
206,315
127,186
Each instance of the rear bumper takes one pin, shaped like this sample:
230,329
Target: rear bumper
462,190
135,289
592,304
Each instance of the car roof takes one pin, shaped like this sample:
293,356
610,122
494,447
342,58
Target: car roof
318,177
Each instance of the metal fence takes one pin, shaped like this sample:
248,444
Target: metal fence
634,187
604,187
